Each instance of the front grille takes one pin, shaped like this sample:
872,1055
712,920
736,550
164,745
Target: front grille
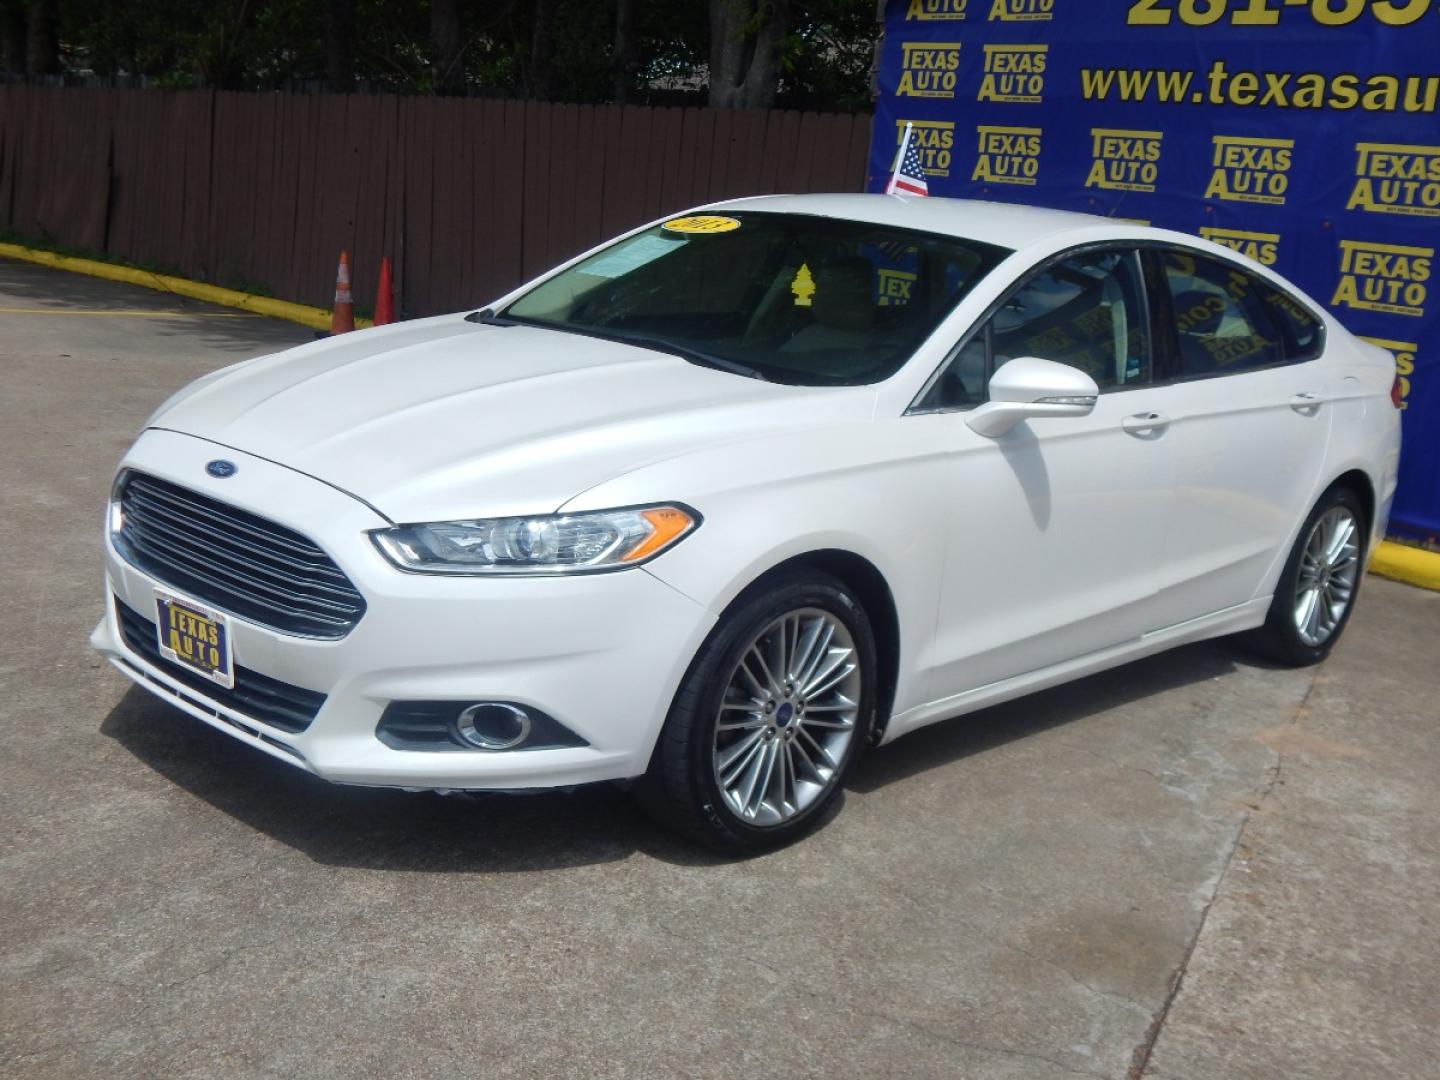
237,561
270,701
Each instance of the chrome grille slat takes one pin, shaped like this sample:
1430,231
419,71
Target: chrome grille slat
235,568
206,576
175,520
201,505
243,564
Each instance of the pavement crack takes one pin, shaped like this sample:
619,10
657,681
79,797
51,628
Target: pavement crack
1112,761
1048,962
1140,1060
49,1049
988,1048
671,932
225,958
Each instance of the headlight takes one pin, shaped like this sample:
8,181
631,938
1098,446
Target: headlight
552,544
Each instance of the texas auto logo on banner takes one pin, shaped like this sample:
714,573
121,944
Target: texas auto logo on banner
1304,134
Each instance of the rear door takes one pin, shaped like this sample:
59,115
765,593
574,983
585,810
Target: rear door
1250,416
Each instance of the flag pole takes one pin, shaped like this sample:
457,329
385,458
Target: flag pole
899,159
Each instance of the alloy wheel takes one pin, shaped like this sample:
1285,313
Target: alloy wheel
1329,570
787,717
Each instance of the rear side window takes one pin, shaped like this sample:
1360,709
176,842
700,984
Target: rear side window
1303,333
1225,319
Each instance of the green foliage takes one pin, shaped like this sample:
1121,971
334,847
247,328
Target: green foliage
828,57
48,243
282,44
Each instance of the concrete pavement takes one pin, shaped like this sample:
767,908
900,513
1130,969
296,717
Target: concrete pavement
1195,866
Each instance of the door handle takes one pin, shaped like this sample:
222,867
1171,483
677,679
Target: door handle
1146,423
1305,402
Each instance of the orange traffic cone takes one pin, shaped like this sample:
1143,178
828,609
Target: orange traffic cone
342,320
385,297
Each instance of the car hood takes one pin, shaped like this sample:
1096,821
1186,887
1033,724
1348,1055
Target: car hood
443,418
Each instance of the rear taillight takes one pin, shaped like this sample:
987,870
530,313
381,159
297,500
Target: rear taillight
1397,392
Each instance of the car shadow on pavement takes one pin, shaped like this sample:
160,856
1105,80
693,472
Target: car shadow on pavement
382,829
379,828
951,740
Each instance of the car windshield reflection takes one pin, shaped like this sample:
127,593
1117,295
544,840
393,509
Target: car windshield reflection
791,298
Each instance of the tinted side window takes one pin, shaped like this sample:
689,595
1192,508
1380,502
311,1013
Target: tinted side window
1222,316
1087,311
1303,333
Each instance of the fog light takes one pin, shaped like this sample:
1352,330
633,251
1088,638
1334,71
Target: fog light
494,725
466,727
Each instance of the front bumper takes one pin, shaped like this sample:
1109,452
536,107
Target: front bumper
602,654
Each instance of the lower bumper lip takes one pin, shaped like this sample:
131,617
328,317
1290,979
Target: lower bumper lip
373,766
612,689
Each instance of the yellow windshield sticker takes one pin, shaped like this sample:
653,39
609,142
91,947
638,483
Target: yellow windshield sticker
803,286
702,223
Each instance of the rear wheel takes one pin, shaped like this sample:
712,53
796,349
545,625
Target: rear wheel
1317,589
769,719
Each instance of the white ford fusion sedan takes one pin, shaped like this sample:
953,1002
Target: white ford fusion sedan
715,506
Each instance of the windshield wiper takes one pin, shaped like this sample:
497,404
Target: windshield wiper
643,341
685,352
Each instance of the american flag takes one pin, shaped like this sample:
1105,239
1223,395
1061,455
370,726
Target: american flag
908,177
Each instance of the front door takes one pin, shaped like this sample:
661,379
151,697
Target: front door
1057,529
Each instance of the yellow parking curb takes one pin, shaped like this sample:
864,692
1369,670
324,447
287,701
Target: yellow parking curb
315,318
1412,565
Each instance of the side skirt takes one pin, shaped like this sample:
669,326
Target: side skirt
1232,620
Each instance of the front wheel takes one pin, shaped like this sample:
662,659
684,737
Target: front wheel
769,719
1316,592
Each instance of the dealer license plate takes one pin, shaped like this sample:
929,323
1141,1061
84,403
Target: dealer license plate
196,636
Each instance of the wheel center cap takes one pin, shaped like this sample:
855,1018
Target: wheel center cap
784,715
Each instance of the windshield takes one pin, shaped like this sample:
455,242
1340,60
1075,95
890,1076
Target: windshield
785,297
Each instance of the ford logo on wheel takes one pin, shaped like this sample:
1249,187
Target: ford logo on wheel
220,468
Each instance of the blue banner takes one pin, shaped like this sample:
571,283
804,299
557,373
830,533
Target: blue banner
1303,133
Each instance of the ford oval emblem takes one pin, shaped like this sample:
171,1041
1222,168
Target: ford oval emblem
220,468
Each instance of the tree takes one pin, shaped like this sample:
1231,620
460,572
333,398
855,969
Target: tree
447,47
539,77
829,57
14,32
340,46
622,57
221,59
747,40
811,54
42,50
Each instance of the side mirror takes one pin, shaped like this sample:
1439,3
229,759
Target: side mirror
1029,388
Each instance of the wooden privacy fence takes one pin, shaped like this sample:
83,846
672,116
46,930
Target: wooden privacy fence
468,196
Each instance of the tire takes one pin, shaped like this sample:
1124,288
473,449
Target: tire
1297,635
724,725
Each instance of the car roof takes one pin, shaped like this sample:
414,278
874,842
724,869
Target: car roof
1003,224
